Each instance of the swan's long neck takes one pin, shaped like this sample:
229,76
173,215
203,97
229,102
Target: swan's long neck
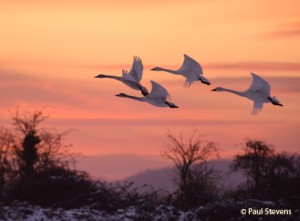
109,76
131,97
239,93
167,70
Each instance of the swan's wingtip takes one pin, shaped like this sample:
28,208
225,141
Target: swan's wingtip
253,74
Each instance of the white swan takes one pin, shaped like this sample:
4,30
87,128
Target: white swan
259,92
131,79
157,97
190,69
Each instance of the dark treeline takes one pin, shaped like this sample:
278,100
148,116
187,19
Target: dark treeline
36,167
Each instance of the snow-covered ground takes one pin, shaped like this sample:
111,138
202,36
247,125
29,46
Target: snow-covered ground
221,210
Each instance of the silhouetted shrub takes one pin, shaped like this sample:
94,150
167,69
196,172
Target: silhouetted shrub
114,196
197,183
270,175
35,167
30,158
56,186
283,178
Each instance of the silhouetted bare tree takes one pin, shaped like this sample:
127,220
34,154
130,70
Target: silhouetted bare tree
282,179
7,141
36,167
27,151
195,179
37,146
254,162
269,175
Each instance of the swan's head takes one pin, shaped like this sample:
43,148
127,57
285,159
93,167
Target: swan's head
218,89
156,69
100,76
121,95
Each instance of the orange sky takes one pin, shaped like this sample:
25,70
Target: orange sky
51,50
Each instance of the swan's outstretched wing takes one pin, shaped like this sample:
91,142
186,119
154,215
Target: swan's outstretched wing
259,85
158,92
190,66
136,71
191,69
257,107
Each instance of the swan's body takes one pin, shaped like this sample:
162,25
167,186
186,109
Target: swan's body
157,97
132,78
258,92
190,69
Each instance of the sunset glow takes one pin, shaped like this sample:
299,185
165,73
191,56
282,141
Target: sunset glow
50,52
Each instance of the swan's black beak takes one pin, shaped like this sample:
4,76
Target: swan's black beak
214,89
120,95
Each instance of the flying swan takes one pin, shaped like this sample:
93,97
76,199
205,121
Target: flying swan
190,69
259,92
131,79
157,97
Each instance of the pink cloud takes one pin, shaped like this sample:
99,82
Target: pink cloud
286,30
247,65
252,66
